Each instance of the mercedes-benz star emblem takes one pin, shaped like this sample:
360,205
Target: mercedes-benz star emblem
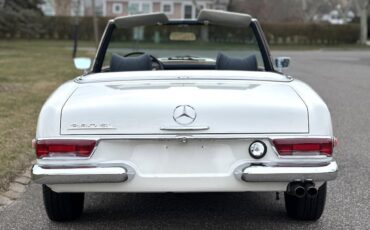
184,114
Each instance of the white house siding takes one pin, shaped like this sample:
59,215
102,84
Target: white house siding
106,7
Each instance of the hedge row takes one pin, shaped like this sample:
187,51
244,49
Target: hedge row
276,33
311,33
58,28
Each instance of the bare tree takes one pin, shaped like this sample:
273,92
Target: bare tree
75,6
270,10
95,23
362,9
311,8
62,7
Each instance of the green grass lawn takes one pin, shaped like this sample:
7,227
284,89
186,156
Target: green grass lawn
29,72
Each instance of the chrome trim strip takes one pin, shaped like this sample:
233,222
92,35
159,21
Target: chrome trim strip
184,128
188,137
180,136
73,175
286,174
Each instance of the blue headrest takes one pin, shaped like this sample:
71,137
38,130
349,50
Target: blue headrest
225,62
139,63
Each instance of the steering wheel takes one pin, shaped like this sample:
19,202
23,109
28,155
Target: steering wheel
154,59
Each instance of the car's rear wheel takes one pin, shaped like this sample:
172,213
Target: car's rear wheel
306,207
62,206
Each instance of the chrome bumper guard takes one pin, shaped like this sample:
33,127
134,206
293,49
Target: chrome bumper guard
119,174
287,174
41,175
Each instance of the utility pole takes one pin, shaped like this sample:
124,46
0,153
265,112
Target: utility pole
95,23
76,7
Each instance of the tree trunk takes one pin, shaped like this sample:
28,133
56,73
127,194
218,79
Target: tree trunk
363,38
363,16
362,9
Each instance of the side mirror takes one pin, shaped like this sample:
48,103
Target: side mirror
82,63
282,63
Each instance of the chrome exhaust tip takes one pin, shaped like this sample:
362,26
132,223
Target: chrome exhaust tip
311,190
297,189
300,191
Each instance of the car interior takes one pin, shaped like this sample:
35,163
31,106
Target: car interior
138,61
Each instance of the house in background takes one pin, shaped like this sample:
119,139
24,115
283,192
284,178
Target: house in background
175,9
47,7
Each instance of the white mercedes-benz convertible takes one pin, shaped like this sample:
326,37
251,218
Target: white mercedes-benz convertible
184,106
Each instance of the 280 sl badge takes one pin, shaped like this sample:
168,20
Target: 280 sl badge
86,126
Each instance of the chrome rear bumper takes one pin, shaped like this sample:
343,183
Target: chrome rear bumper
115,174
286,174
119,174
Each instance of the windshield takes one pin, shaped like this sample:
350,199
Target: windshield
185,46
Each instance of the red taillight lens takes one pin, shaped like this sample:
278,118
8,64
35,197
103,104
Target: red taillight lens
304,146
72,148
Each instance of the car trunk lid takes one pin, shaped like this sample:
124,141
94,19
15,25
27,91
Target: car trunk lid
219,107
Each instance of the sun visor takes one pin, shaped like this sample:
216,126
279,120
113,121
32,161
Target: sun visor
224,18
141,20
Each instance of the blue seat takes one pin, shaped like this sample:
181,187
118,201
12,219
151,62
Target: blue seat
139,63
225,62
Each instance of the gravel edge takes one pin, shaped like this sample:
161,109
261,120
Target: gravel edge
16,188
